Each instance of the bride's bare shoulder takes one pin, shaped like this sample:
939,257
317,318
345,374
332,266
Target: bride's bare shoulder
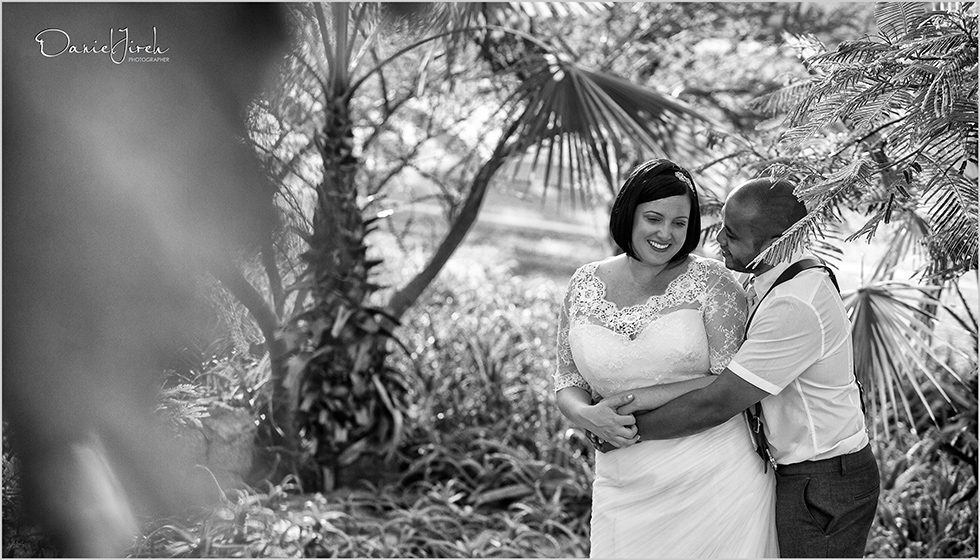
600,267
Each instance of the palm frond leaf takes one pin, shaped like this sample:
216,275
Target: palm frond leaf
562,106
852,53
783,99
887,319
905,99
823,204
896,19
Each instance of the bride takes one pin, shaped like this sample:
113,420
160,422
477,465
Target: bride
659,315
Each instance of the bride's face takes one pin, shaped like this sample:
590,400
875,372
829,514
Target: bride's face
660,228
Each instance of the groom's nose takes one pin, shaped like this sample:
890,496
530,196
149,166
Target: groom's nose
720,237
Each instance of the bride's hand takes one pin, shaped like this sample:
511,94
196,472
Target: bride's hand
609,424
630,405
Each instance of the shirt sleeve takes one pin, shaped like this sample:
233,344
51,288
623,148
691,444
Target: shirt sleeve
782,342
566,373
724,318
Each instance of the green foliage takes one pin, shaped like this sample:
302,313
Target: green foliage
486,418
350,401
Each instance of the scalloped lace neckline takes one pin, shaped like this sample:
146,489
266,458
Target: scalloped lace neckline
656,298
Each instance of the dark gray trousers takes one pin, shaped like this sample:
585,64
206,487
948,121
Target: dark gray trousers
824,509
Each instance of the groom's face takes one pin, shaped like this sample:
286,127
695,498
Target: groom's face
738,238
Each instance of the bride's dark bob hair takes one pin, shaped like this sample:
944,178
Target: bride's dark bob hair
653,180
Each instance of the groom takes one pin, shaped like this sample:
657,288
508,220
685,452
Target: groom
797,360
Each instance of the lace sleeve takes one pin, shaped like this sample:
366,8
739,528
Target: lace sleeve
566,374
724,316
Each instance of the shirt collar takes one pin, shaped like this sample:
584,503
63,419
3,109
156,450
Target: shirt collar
764,281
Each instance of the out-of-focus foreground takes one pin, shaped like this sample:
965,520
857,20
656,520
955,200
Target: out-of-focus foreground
353,339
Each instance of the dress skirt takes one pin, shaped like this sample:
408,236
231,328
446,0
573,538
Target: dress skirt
701,496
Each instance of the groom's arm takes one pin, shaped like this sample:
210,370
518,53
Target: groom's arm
700,409
655,396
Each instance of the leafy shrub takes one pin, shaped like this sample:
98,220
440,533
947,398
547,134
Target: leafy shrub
928,504
489,466
483,348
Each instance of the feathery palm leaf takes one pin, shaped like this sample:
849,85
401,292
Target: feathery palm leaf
896,19
824,209
907,102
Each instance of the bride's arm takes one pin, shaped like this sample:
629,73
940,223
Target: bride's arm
655,396
725,312
574,395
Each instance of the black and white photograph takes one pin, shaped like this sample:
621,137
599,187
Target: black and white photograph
472,279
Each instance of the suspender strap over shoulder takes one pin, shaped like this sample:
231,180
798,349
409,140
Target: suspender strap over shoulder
793,269
754,413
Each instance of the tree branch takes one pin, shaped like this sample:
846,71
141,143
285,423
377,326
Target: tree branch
235,282
407,295
268,257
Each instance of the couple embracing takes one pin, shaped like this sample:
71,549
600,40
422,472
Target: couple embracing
728,420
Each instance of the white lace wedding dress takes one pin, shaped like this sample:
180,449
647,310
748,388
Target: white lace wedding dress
693,497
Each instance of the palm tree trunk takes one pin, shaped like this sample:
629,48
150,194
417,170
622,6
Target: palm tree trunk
346,404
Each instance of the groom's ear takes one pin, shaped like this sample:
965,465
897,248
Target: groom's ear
766,244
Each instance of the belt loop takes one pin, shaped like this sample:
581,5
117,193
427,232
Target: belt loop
843,464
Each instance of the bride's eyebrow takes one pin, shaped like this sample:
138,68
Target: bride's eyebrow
662,215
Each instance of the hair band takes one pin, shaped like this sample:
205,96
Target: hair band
684,179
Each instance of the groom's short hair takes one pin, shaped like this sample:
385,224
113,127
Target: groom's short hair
652,180
770,206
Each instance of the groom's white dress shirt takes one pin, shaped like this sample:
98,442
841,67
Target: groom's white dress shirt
798,349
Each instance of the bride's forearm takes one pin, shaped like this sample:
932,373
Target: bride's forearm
571,401
655,396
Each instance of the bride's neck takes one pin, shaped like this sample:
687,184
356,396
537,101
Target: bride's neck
644,274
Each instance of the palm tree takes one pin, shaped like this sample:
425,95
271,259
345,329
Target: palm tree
577,125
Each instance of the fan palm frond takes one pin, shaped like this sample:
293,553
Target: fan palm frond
563,106
907,236
890,353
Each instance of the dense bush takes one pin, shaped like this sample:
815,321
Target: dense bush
488,466
928,504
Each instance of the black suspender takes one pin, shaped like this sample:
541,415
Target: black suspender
790,272
754,413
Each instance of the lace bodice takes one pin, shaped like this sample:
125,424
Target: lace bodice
694,327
